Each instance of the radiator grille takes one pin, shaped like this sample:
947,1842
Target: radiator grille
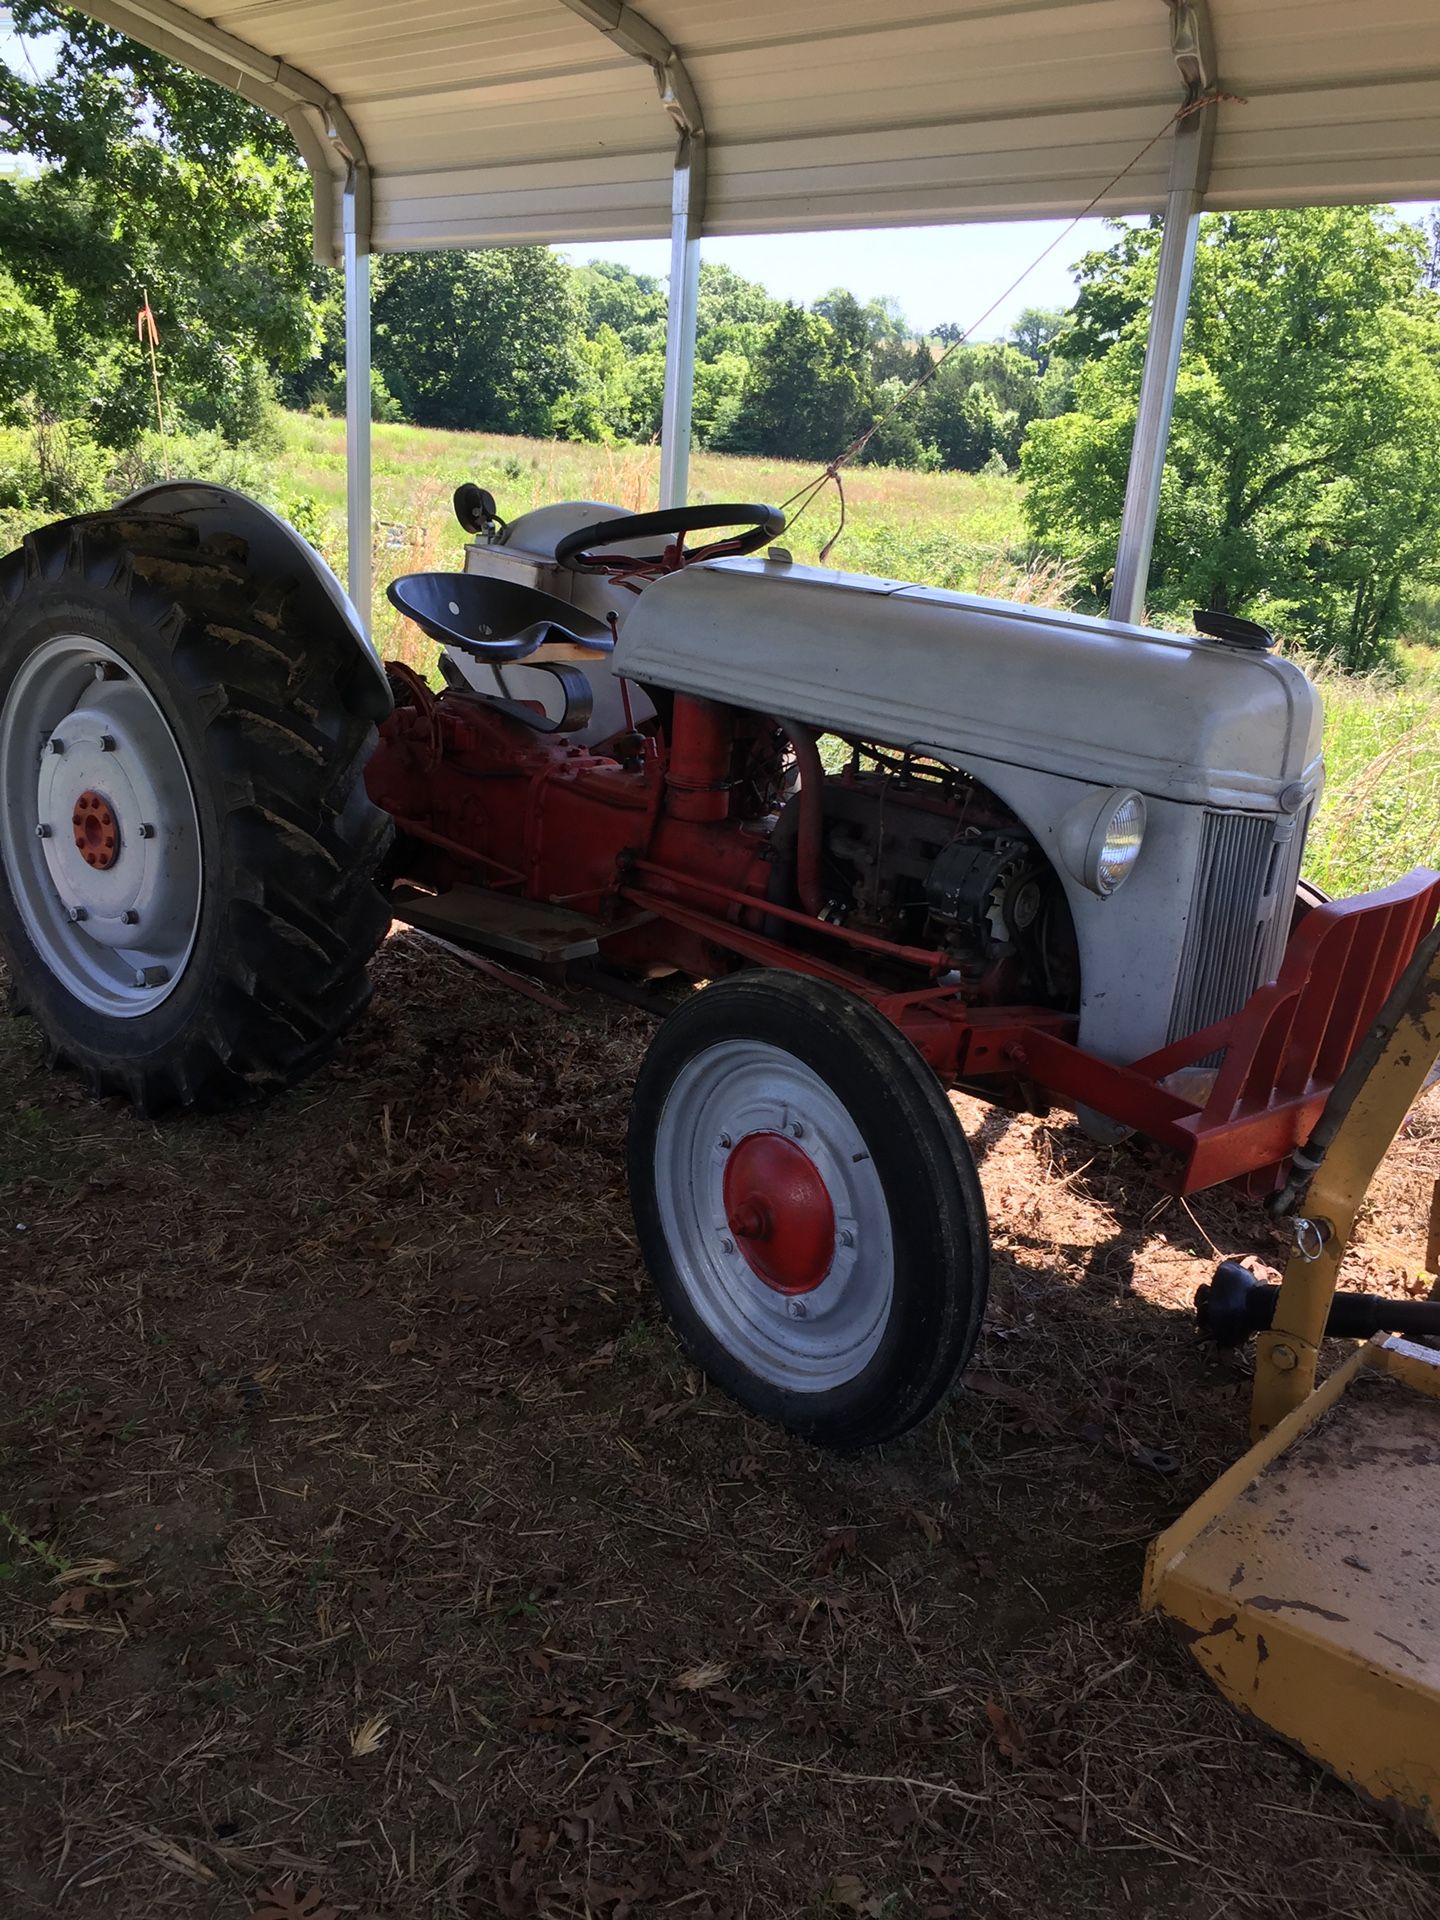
1239,914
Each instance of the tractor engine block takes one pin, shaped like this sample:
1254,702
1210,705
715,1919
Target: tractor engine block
930,858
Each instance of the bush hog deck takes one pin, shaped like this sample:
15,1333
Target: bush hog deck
910,840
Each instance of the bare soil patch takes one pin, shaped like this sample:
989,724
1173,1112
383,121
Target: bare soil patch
367,1547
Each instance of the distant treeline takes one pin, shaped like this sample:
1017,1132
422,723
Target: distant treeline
514,340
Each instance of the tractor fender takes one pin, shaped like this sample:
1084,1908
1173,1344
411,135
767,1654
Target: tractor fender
276,549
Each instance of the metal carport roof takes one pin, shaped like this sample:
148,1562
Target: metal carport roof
485,121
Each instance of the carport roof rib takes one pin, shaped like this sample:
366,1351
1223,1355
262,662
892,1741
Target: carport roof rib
486,121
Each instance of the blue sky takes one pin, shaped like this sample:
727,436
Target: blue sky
936,273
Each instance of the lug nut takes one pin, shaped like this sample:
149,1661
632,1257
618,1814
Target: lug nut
145,830
727,1246
75,914
797,1132
54,744
151,976
726,1142
42,832
796,1309
107,743
130,918
847,1239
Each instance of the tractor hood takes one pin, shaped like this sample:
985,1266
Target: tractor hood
1178,717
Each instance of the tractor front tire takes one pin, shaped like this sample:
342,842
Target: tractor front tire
808,1207
187,850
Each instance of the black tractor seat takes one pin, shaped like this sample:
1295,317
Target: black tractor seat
495,620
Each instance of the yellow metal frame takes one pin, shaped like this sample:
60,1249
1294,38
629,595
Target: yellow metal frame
1312,1660
1304,1579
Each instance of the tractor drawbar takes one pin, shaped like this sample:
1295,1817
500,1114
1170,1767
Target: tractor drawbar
1236,1304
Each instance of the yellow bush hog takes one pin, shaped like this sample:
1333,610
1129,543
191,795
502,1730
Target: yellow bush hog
1306,1580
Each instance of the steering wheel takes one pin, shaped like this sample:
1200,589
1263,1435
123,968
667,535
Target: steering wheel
580,549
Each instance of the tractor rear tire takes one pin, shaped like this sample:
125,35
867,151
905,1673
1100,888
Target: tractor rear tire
187,850
808,1207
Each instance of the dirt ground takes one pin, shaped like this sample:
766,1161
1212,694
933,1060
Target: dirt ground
366,1546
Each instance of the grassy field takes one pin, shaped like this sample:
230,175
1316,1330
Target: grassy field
1381,815
952,529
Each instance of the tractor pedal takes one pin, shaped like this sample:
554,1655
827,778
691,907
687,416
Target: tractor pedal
500,922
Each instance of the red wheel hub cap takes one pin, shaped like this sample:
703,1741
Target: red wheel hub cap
96,830
780,1212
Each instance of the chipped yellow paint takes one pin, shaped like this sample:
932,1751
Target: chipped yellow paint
1305,1579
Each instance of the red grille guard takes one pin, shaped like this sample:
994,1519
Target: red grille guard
1283,1051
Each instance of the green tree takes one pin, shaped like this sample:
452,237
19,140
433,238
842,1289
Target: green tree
804,397
719,396
1034,334
1303,479
482,340
729,301
146,181
632,305
976,407
850,325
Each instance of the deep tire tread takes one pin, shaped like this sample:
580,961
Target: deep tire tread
287,727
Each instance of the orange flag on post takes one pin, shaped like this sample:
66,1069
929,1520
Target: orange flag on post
148,334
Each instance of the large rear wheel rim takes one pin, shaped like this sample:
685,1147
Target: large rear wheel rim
99,834
793,1330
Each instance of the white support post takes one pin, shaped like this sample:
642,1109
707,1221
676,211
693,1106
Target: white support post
686,206
357,395
1157,403
1193,46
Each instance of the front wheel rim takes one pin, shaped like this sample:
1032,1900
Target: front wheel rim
99,834
815,1321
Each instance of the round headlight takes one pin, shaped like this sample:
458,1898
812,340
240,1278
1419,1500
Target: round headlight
1116,843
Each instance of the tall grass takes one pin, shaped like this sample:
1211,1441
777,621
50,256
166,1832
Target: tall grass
949,529
1381,814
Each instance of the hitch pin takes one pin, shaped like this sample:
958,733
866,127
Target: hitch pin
1310,1237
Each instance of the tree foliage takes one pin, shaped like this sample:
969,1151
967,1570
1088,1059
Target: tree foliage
140,179
1303,479
481,339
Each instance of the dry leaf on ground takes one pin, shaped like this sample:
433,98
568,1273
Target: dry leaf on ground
284,1901
1008,1736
